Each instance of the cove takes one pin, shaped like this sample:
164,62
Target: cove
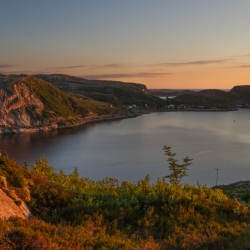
129,149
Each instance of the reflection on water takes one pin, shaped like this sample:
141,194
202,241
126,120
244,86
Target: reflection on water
131,148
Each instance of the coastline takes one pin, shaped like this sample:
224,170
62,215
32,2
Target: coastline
95,119
57,126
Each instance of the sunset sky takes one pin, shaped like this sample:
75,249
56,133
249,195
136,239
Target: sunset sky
191,44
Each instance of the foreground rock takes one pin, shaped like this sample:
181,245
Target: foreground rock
11,204
9,208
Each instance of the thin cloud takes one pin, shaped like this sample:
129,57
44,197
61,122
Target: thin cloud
69,67
122,75
114,65
241,56
180,64
4,66
240,67
110,66
23,72
93,66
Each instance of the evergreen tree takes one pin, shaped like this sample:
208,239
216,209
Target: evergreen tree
178,171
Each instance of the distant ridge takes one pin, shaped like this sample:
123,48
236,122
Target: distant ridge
45,102
113,92
238,96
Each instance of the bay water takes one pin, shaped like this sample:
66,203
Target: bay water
131,148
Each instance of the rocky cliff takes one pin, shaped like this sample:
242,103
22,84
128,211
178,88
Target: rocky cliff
20,106
29,102
10,203
9,208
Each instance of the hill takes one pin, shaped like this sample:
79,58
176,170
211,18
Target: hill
169,92
114,92
242,94
45,102
30,101
214,98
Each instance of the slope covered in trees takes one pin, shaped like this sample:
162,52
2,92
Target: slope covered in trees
73,212
209,98
114,92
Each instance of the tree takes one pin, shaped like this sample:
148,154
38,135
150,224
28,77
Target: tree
178,171
42,167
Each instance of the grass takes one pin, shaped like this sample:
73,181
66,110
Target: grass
59,104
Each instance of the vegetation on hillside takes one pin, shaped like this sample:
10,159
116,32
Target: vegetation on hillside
73,212
239,190
214,98
207,98
58,103
46,100
242,93
113,92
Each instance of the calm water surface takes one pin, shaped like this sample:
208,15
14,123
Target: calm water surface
131,148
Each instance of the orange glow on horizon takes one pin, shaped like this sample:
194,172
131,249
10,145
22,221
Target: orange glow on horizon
224,78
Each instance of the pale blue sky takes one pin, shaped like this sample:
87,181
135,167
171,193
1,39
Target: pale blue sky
161,43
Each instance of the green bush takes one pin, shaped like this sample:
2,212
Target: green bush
73,212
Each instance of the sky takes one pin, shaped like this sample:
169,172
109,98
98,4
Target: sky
180,44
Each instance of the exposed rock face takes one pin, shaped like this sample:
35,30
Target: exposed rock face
30,104
19,106
8,207
10,203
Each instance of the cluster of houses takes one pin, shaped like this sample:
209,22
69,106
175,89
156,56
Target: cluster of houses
170,106
182,106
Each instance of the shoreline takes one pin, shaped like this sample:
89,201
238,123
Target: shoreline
95,119
56,126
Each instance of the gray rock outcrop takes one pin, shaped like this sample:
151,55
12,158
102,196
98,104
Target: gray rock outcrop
19,106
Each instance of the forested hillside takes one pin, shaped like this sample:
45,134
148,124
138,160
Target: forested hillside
113,92
238,96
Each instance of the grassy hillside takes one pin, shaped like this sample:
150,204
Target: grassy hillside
73,212
56,102
114,92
